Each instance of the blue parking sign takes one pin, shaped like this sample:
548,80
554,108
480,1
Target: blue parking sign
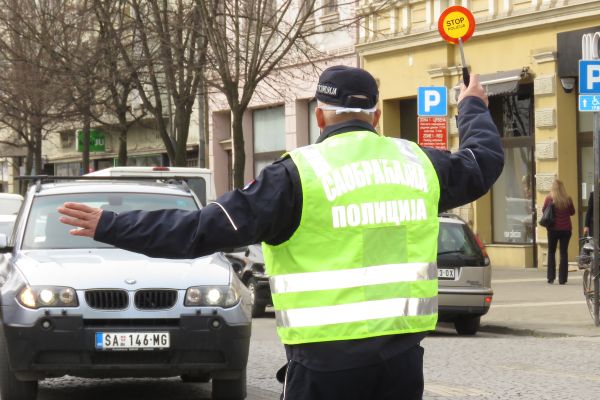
432,101
589,76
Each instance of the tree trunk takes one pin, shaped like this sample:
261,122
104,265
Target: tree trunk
85,155
182,128
239,155
38,150
122,158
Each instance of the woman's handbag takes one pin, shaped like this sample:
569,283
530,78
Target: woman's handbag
547,219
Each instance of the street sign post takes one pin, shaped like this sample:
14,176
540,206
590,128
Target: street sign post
456,25
589,101
432,101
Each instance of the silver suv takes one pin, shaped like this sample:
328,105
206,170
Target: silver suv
71,305
464,276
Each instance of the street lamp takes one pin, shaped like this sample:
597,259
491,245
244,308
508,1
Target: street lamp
568,83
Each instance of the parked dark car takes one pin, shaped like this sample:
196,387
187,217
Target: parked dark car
249,265
464,275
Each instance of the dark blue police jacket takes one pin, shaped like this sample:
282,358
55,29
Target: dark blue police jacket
269,210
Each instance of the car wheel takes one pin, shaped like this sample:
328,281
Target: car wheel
257,309
10,386
467,325
229,389
197,377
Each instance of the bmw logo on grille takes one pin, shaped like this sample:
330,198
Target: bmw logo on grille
130,281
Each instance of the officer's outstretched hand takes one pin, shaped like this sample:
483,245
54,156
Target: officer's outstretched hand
474,89
84,217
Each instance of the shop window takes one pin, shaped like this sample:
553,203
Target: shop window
513,201
67,169
269,136
154,160
585,126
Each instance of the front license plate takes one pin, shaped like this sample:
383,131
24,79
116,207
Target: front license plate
446,273
132,340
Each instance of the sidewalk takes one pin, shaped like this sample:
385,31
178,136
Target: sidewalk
524,303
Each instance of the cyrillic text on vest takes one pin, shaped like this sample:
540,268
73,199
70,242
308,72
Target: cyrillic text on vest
376,213
359,174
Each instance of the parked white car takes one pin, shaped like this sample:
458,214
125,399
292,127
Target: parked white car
10,204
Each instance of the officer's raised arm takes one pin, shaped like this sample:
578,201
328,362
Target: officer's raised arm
470,172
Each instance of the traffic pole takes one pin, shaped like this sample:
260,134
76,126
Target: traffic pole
465,70
596,221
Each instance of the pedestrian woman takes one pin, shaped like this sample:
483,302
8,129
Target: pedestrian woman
560,231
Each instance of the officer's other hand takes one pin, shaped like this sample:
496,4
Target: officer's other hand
474,89
84,217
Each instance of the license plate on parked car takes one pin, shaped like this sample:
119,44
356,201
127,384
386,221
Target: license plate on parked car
132,340
446,273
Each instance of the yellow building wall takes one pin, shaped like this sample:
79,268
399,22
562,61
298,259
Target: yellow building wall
401,71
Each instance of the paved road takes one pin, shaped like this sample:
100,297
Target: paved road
488,366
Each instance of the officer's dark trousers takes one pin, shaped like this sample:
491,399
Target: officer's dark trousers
399,378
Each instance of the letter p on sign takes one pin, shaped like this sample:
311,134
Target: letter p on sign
432,101
589,76
593,77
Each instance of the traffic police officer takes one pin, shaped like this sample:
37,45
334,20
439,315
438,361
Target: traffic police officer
349,230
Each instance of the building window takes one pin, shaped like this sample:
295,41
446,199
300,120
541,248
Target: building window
513,200
268,125
306,7
329,6
67,140
313,128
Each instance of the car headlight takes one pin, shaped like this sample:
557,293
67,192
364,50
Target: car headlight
47,296
213,296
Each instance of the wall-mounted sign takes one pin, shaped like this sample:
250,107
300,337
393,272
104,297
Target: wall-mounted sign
433,132
432,101
97,141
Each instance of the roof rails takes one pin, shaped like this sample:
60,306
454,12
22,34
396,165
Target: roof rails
39,179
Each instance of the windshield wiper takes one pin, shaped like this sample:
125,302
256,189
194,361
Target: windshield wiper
450,252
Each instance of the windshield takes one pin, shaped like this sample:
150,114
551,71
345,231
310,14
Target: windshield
456,239
10,206
45,231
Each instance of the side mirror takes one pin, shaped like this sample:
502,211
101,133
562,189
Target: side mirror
4,247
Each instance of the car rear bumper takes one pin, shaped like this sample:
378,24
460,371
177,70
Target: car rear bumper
460,302
263,291
68,347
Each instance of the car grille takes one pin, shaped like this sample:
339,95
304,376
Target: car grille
106,299
155,299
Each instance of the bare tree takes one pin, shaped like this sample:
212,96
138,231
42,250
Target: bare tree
167,64
31,96
249,41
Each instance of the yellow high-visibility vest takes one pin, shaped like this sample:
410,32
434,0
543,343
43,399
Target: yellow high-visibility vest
362,262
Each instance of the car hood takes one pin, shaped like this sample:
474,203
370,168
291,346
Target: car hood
111,268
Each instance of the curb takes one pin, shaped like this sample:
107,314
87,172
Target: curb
504,330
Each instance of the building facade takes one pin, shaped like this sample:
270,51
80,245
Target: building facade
521,49
280,116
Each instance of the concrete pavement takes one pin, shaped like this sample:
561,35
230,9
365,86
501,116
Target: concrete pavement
524,303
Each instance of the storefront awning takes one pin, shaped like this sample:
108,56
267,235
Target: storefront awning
503,82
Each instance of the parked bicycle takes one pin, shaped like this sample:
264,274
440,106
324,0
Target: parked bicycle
584,262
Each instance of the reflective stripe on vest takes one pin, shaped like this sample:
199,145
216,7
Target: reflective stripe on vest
362,261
